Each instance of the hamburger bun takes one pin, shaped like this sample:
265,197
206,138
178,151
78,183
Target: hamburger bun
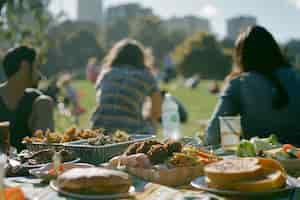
268,181
94,181
232,170
239,175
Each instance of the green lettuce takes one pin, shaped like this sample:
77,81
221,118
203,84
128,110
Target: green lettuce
246,149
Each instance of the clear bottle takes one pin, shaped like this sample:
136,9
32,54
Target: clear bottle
170,118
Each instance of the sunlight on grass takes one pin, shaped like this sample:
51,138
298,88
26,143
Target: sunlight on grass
199,103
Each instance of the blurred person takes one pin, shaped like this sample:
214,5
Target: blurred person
122,88
214,88
193,82
20,104
92,70
71,96
52,90
169,70
262,88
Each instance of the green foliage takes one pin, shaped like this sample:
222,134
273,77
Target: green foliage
202,54
25,23
151,32
116,31
71,51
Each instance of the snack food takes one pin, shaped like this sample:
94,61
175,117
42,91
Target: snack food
116,137
166,163
94,181
45,156
71,134
245,174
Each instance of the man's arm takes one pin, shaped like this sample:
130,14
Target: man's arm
42,114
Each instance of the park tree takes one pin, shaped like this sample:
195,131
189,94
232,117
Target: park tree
151,32
202,54
116,31
71,51
25,22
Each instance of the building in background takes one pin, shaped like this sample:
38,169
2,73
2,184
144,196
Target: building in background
188,24
90,11
237,24
126,11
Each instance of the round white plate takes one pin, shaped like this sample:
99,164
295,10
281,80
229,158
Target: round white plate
54,186
26,165
199,183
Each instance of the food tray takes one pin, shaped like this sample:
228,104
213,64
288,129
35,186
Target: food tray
37,146
92,153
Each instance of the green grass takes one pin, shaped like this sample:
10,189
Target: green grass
199,103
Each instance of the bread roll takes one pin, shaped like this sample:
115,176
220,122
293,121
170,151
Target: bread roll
232,170
268,181
245,175
94,181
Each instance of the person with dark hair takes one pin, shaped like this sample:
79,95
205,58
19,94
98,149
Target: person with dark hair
263,89
26,108
122,88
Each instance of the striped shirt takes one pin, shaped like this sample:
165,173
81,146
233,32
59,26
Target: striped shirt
120,97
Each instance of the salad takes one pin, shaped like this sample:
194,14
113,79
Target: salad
287,151
256,146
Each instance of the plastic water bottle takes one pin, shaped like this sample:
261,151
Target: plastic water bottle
170,118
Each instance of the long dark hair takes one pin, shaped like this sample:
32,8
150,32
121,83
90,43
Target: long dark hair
128,52
257,51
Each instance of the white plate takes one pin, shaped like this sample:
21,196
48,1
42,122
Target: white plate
54,186
199,183
26,165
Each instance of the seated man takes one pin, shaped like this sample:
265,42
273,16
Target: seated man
26,109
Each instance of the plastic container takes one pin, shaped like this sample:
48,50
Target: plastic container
170,118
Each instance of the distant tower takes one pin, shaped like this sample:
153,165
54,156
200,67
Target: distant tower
237,24
90,11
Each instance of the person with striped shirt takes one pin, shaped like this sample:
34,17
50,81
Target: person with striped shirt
123,86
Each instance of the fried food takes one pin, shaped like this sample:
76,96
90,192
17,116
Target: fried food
53,137
146,146
132,149
71,134
101,140
157,154
45,156
39,134
117,137
184,160
120,136
173,146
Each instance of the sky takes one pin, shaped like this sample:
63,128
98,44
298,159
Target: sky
281,17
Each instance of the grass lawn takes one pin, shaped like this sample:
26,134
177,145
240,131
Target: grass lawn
199,103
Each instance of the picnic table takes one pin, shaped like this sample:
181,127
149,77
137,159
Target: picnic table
34,189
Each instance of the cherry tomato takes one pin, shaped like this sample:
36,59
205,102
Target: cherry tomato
298,154
287,147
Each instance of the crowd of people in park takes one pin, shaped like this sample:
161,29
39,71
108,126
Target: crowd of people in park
263,89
